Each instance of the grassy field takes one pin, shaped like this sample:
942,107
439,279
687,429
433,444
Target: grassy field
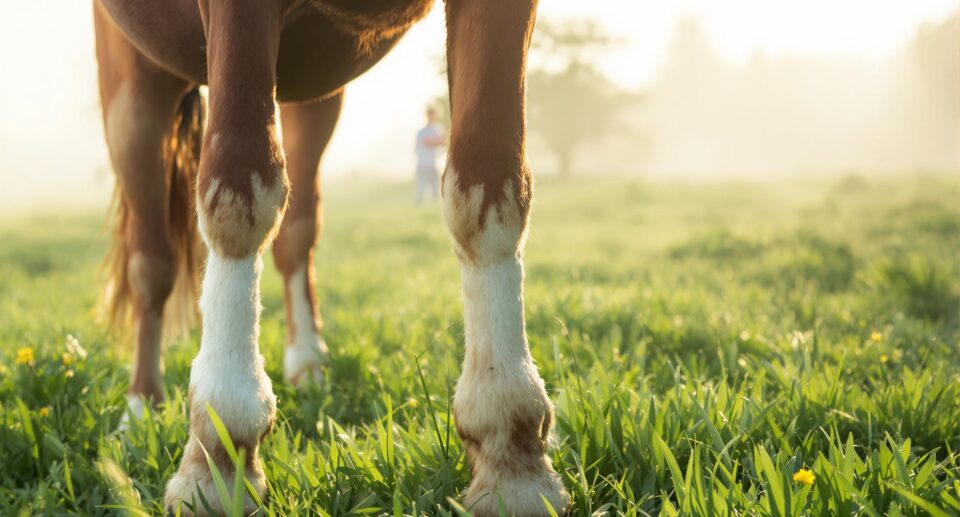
702,344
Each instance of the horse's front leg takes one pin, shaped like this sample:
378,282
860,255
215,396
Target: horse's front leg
501,408
241,196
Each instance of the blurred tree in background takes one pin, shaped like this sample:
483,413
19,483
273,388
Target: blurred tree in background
569,102
803,113
929,95
705,115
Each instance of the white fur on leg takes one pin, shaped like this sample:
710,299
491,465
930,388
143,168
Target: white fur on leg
149,367
135,407
520,495
493,315
501,406
228,375
306,352
228,371
499,390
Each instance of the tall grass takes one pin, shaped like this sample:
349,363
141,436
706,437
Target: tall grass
702,344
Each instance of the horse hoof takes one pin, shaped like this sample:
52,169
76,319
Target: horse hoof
521,494
304,362
306,375
193,479
136,408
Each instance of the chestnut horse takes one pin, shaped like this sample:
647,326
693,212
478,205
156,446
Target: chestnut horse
241,186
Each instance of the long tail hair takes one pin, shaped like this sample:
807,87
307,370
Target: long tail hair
181,158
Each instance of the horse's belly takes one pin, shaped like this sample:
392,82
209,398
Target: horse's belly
316,57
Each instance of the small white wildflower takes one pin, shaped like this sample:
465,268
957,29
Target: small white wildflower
74,347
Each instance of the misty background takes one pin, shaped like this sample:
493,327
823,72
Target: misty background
703,116
687,89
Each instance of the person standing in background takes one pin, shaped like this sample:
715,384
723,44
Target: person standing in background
429,140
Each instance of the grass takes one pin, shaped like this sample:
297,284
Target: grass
702,344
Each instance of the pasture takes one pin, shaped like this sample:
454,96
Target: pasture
702,343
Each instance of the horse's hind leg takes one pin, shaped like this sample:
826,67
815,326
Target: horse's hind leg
307,128
139,102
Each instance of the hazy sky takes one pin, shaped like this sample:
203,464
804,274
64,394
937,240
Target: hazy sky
51,144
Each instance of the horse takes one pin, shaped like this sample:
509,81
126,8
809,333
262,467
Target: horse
240,172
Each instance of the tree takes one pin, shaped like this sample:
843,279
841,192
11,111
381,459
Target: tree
570,103
930,82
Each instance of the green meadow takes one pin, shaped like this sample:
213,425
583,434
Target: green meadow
703,343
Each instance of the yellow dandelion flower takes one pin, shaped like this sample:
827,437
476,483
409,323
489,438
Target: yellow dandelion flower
876,336
44,411
67,359
24,356
804,477
884,358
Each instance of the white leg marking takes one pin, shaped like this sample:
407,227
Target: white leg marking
228,375
501,406
500,399
147,377
305,352
135,407
228,371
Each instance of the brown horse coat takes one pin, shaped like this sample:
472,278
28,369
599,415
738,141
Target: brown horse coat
243,190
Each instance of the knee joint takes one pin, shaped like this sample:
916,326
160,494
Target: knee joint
151,280
294,243
239,218
486,216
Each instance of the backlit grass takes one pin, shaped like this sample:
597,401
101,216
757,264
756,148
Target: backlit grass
702,343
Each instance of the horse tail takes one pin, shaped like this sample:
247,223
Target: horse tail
181,157
183,162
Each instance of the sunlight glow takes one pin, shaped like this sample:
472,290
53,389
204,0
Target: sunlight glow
51,124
